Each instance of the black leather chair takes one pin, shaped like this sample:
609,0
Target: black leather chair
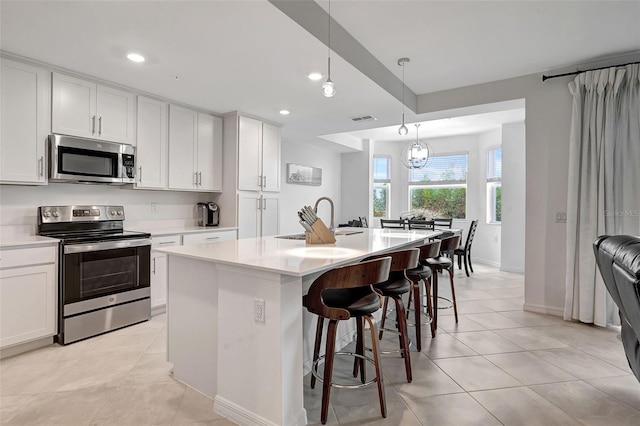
618,259
465,251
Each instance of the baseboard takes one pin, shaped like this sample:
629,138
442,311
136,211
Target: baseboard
484,262
158,310
243,417
513,270
542,309
25,347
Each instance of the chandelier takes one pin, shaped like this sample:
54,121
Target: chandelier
415,154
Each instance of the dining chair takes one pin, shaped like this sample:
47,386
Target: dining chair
465,252
393,223
364,222
443,222
421,224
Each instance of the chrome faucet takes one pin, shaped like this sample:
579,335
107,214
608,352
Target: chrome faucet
315,208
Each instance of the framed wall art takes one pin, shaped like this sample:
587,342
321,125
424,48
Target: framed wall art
304,175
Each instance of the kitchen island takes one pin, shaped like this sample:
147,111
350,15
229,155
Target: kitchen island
237,330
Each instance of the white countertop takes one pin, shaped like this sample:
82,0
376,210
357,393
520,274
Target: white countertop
157,232
295,257
22,240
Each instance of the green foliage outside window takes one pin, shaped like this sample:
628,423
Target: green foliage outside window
440,202
380,196
498,204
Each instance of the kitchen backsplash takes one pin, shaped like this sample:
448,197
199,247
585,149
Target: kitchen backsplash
18,204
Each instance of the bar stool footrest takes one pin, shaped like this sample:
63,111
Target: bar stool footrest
314,371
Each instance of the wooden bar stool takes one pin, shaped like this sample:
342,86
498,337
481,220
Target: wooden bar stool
422,273
395,287
340,294
441,263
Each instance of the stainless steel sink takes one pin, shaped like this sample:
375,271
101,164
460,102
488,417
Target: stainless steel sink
292,237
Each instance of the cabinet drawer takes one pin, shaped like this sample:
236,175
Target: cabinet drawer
27,256
167,241
209,237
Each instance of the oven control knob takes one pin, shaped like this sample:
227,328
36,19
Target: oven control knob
46,214
119,212
56,214
113,212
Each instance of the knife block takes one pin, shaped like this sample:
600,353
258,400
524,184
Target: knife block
320,234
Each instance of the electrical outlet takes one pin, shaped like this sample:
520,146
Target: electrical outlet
258,305
154,207
561,217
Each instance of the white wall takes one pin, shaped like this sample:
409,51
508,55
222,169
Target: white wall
18,204
357,186
513,197
548,118
293,197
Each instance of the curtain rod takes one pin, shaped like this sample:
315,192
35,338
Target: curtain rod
547,77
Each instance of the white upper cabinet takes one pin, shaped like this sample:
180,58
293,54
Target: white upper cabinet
24,122
152,144
86,109
270,158
195,150
259,156
209,153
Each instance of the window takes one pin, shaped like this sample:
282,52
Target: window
440,188
381,186
494,185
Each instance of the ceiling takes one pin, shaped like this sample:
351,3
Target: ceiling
249,56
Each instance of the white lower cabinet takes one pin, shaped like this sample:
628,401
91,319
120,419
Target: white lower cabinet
28,295
257,215
159,269
209,237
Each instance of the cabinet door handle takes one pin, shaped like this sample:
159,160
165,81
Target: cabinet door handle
260,180
162,243
195,177
213,238
154,266
100,125
264,181
41,166
140,174
259,203
93,125
199,178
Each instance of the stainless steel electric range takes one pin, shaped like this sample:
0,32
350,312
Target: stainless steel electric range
103,272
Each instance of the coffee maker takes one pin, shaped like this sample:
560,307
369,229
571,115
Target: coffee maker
208,214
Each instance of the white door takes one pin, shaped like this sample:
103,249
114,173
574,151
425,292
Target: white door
116,115
271,158
249,154
24,122
73,110
248,215
27,303
158,279
182,147
209,152
270,216
152,143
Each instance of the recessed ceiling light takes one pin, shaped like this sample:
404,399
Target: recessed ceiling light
314,76
135,57
284,112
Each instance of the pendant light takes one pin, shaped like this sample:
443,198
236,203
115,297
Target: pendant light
415,154
328,88
402,130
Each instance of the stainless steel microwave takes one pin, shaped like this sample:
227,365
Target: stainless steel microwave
90,161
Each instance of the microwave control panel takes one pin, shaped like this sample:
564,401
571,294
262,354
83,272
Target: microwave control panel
128,163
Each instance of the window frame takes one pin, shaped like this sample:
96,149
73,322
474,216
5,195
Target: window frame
492,184
387,183
411,185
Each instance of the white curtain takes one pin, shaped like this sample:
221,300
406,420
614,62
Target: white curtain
604,182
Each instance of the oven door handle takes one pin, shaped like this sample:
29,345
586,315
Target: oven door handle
106,245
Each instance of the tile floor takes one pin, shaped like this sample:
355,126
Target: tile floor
498,365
